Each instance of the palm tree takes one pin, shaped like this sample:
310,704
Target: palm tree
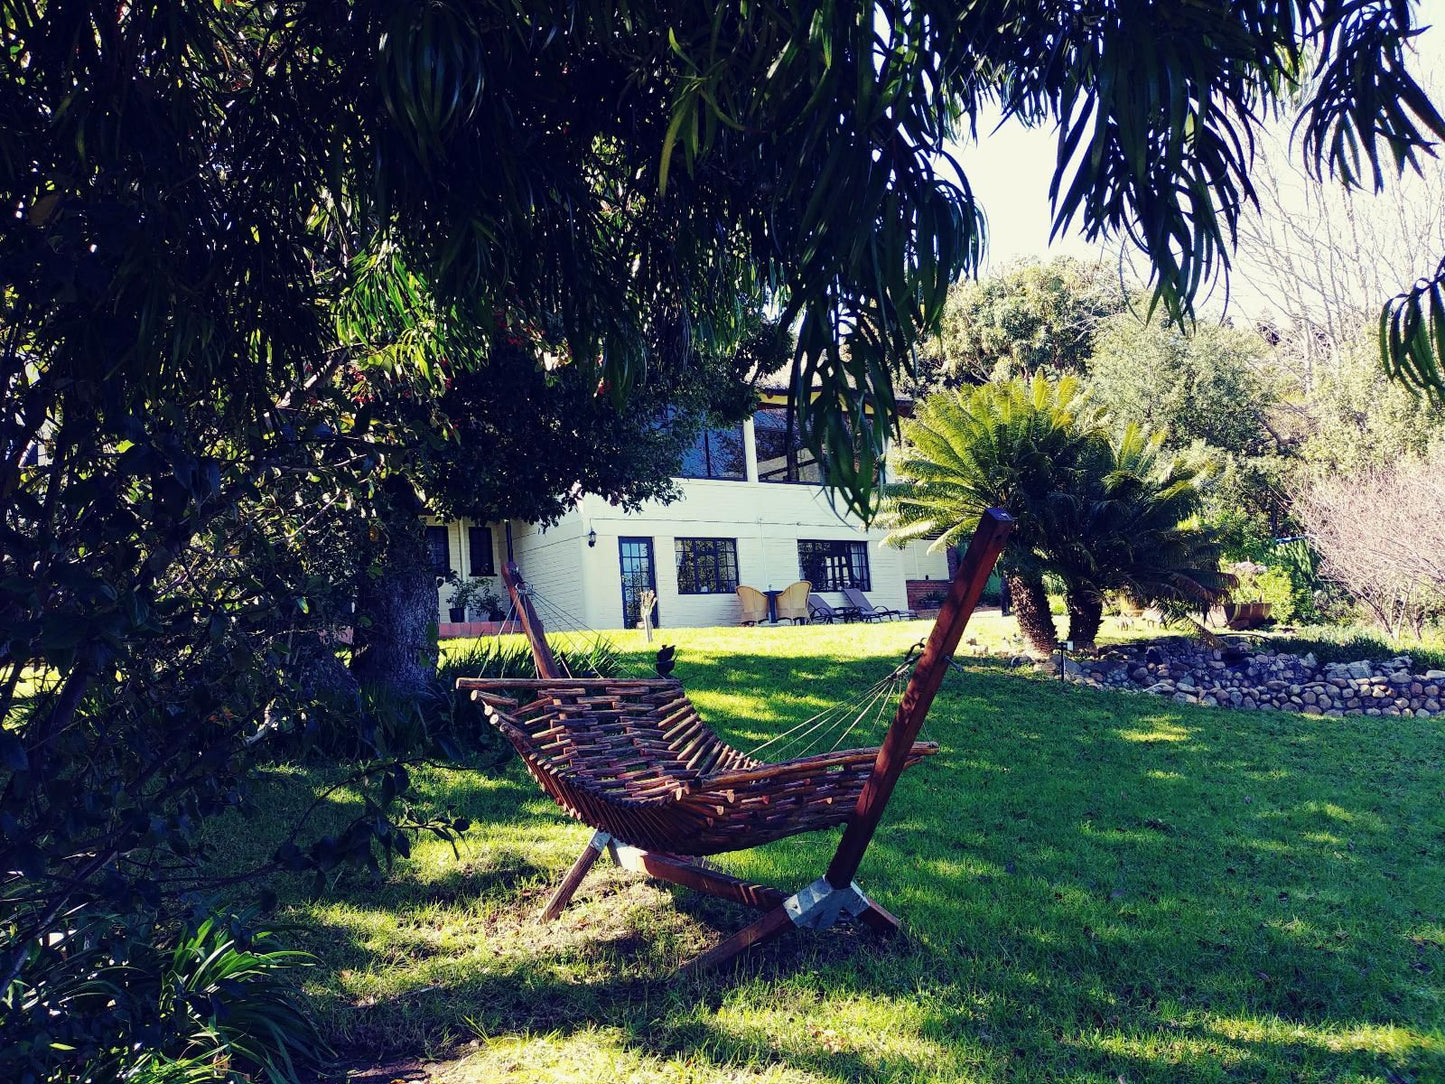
1130,524
1008,444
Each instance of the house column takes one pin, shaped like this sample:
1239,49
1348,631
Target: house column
750,451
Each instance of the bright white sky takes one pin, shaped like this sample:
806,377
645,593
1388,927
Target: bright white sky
1010,169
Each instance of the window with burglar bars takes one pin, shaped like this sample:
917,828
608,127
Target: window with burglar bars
479,545
440,552
706,566
833,565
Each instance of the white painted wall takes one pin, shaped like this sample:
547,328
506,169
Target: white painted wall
552,561
765,519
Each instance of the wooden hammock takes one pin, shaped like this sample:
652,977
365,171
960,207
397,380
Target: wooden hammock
633,759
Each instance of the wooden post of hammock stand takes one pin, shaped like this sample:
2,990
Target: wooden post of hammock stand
531,624
821,903
547,667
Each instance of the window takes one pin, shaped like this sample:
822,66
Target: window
779,459
479,549
832,566
717,453
706,566
439,548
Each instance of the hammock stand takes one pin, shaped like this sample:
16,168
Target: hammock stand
632,759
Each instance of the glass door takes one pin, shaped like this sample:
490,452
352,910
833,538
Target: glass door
639,574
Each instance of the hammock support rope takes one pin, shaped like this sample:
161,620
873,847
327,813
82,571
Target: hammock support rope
633,759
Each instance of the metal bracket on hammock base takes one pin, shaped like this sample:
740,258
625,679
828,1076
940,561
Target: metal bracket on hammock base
820,905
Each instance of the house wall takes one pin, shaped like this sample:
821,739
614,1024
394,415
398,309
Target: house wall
552,560
765,519
581,584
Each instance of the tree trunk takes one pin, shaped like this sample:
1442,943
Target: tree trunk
1086,614
396,612
1031,607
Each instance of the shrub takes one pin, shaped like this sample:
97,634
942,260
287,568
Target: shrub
214,999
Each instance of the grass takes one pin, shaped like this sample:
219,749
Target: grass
1098,888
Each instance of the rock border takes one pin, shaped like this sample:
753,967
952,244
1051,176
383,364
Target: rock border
1238,675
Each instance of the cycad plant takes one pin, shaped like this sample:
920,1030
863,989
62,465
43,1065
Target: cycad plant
1007,444
1128,523
1106,512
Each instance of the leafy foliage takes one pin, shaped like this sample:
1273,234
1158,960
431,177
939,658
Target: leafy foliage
1128,523
1208,385
1104,512
1005,444
1027,319
213,1001
249,245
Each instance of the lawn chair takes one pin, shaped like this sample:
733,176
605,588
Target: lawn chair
793,603
868,612
755,605
825,611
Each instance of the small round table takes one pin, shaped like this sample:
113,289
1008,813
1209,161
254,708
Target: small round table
773,604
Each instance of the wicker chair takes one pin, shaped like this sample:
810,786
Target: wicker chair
754,603
793,603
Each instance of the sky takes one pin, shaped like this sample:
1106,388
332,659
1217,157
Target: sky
1010,168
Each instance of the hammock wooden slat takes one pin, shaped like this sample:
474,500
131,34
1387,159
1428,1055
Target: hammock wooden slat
633,759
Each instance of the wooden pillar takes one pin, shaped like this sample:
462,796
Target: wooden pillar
963,595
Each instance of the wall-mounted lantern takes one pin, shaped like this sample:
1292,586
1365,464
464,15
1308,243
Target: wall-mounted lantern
591,538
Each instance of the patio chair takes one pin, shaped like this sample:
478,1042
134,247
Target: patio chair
755,605
793,602
824,611
868,612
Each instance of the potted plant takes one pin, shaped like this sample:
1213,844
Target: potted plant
476,595
1247,605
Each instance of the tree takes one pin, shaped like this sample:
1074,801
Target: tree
215,211
1379,536
1215,387
1315,260
1128,523
1210,385
1029,318
1006,444
1362,422
1105,512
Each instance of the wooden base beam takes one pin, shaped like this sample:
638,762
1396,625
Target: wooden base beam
772,924
689,875
570,883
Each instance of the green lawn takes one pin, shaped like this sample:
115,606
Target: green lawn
1098,887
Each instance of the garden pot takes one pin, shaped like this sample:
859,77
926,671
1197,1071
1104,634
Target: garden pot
457,615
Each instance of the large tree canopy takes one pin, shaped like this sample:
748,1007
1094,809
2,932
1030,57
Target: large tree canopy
215,212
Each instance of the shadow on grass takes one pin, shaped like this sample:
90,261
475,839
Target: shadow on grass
1097,887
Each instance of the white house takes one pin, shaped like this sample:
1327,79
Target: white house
752,511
